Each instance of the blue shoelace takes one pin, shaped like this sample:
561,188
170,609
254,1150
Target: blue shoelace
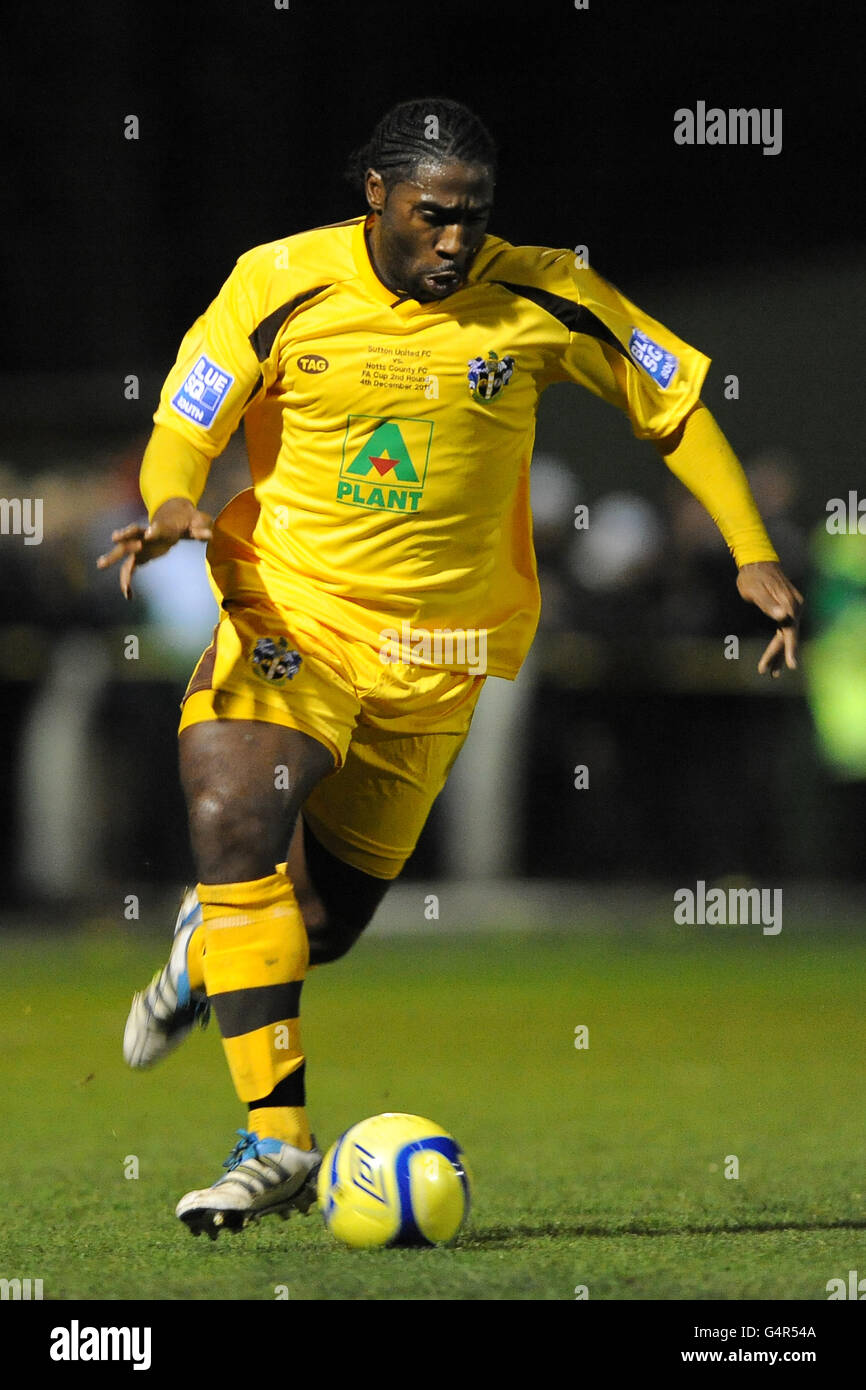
246,1147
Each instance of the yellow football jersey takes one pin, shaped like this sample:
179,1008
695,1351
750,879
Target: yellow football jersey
389,440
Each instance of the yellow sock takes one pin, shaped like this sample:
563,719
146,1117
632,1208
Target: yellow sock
254,961
195,959
288,1123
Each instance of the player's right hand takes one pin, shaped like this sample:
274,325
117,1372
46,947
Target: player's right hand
176,520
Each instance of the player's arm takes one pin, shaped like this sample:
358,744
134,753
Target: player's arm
638,365
216,375
698,453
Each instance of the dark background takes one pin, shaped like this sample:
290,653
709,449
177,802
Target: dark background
247,116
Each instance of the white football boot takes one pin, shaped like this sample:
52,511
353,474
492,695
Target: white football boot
265,1178
162,1015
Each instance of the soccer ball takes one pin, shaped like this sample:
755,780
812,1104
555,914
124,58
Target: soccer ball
394,1180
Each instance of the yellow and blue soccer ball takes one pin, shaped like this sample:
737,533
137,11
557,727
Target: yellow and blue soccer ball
394,1180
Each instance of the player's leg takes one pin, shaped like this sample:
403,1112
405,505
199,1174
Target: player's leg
232,683
353,839
337,901
362,825
245,781
359,826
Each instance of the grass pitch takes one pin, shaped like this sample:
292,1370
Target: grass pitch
602,1166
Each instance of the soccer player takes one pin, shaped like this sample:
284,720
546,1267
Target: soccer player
388,370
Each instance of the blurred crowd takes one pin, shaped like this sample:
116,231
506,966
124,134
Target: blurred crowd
56,586
630,565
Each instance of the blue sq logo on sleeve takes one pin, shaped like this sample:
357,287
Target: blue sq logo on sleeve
656,361
202,393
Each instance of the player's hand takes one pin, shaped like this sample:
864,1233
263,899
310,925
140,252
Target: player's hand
175,520
767,585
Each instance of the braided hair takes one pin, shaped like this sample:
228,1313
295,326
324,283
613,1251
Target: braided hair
430,128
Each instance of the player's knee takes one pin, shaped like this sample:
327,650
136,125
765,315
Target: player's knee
217,818
233,841
333,934
331,940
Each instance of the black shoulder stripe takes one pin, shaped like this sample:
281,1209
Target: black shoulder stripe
264,334
575,317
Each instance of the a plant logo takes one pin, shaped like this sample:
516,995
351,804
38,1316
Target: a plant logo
387,471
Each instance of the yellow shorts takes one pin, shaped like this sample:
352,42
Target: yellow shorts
394,730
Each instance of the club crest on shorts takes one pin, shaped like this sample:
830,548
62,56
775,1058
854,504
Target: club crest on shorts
274,660
488,375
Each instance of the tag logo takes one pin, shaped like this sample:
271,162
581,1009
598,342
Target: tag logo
488,376
202,393
656,361
274,661
387,472
312,362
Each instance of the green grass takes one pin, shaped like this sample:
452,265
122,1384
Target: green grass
602,1167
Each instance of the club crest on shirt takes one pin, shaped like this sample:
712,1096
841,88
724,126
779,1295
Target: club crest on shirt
274,660
488,375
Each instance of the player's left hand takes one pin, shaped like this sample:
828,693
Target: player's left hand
766,584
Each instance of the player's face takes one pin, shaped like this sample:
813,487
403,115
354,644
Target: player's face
429,230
